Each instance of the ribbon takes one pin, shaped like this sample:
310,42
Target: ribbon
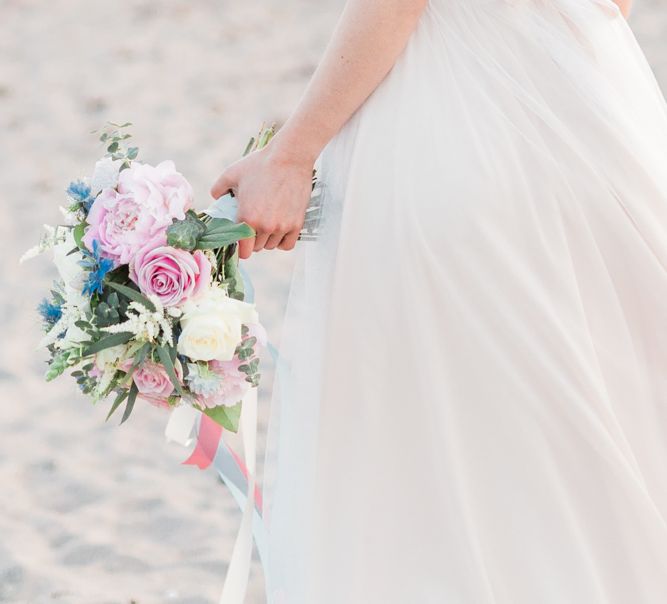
208,439
187,425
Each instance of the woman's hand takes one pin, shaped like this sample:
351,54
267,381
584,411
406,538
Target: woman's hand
273,190
273,185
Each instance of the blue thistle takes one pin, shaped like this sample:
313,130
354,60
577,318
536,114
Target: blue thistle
97,268
80,193
51,312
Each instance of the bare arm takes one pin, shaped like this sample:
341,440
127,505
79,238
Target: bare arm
273,185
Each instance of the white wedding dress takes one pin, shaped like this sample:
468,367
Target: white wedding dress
472,401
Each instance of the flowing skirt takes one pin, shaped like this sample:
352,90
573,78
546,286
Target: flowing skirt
472,402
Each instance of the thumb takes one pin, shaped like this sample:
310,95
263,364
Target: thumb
226,182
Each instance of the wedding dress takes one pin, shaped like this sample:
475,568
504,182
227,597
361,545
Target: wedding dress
472,397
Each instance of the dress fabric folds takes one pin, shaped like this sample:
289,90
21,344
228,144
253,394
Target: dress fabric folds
471,405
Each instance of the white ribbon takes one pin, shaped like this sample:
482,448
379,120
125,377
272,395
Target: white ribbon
236,584
182,429
181,426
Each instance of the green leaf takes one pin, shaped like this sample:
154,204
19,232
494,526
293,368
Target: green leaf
266,135
232,276
132,152
227,417
184,234
223,235
249,146
245,353
57,366
132,294
139,358
122,395
78,232
164,354
249,342
113,339
131,399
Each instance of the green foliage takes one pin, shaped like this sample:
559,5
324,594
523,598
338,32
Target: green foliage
261,140
231,275
78,232
120,397
138,358
110,310
227,417
167,357
109,341
57,366
131,399
185,234
246,353
221,232
132,294
114,137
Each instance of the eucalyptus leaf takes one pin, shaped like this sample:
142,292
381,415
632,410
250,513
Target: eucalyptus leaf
185,234
165,357
132,294
131,399
139,358
122,395
232,276
109,341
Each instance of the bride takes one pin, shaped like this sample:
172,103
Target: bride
472,403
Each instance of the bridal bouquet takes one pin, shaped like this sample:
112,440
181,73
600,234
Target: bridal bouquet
149,304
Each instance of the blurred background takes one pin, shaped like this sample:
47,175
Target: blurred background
91,513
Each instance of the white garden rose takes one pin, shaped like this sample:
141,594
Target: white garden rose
211,326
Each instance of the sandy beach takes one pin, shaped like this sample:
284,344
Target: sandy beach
91,513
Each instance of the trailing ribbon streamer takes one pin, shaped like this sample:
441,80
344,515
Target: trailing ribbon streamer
208,439
238,476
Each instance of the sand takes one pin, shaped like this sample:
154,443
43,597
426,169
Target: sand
91,513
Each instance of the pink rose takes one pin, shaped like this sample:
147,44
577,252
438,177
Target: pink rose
146,202
154,384
171,274
232,387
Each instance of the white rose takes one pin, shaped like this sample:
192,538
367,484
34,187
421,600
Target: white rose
105,175
212,326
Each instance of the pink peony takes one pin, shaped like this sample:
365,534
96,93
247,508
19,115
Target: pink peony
147,200
232,386
171,274
154,384
161,190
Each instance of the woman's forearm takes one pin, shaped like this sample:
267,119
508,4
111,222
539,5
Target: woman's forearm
369,37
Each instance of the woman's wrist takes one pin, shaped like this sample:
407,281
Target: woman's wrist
292,147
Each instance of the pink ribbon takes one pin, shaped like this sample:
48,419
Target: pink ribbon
208,440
